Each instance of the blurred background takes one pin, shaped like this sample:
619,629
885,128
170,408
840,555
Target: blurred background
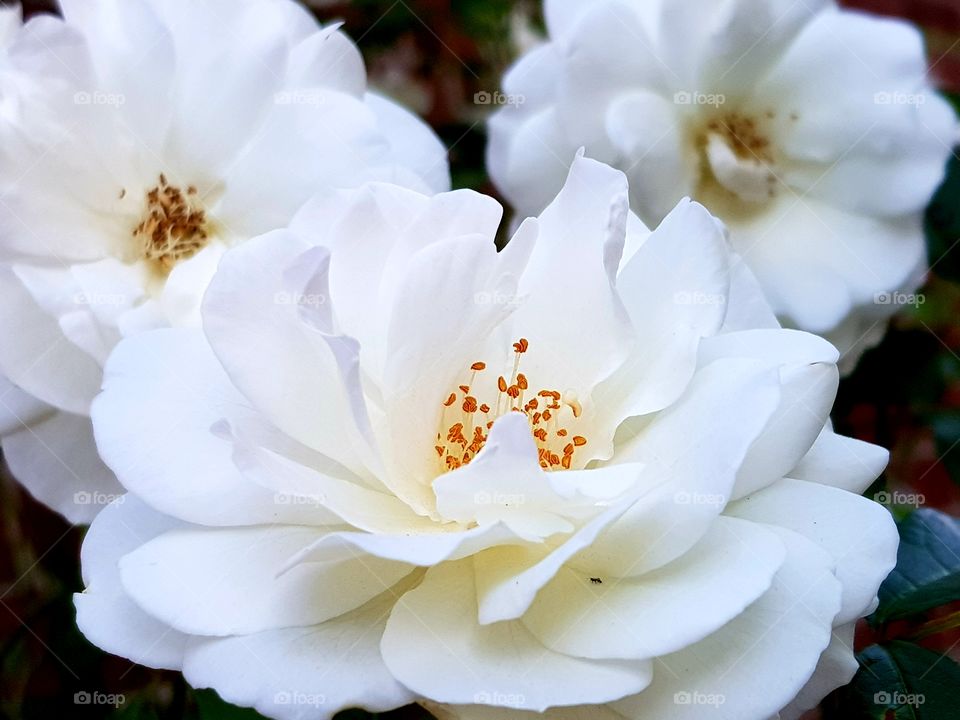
433,56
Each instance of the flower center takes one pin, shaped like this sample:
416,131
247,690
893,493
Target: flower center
738,160
467,418
174,225
743,134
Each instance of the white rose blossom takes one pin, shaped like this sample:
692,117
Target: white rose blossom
19,91
583,476
28,87
811,131
171,131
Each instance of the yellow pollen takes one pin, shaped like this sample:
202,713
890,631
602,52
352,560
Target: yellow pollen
174,225
744,135
466,425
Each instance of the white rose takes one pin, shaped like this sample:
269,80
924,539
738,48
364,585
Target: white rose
171,131
811,131
628,498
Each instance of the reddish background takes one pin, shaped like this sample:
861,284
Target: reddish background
940,19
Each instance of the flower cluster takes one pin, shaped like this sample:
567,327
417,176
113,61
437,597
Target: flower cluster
338,450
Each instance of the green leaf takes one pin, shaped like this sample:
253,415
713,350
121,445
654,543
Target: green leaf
210,706
410,712
946,433
875,687
483,18
927,574
953,99
901,681
138,709
933,677
942,225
